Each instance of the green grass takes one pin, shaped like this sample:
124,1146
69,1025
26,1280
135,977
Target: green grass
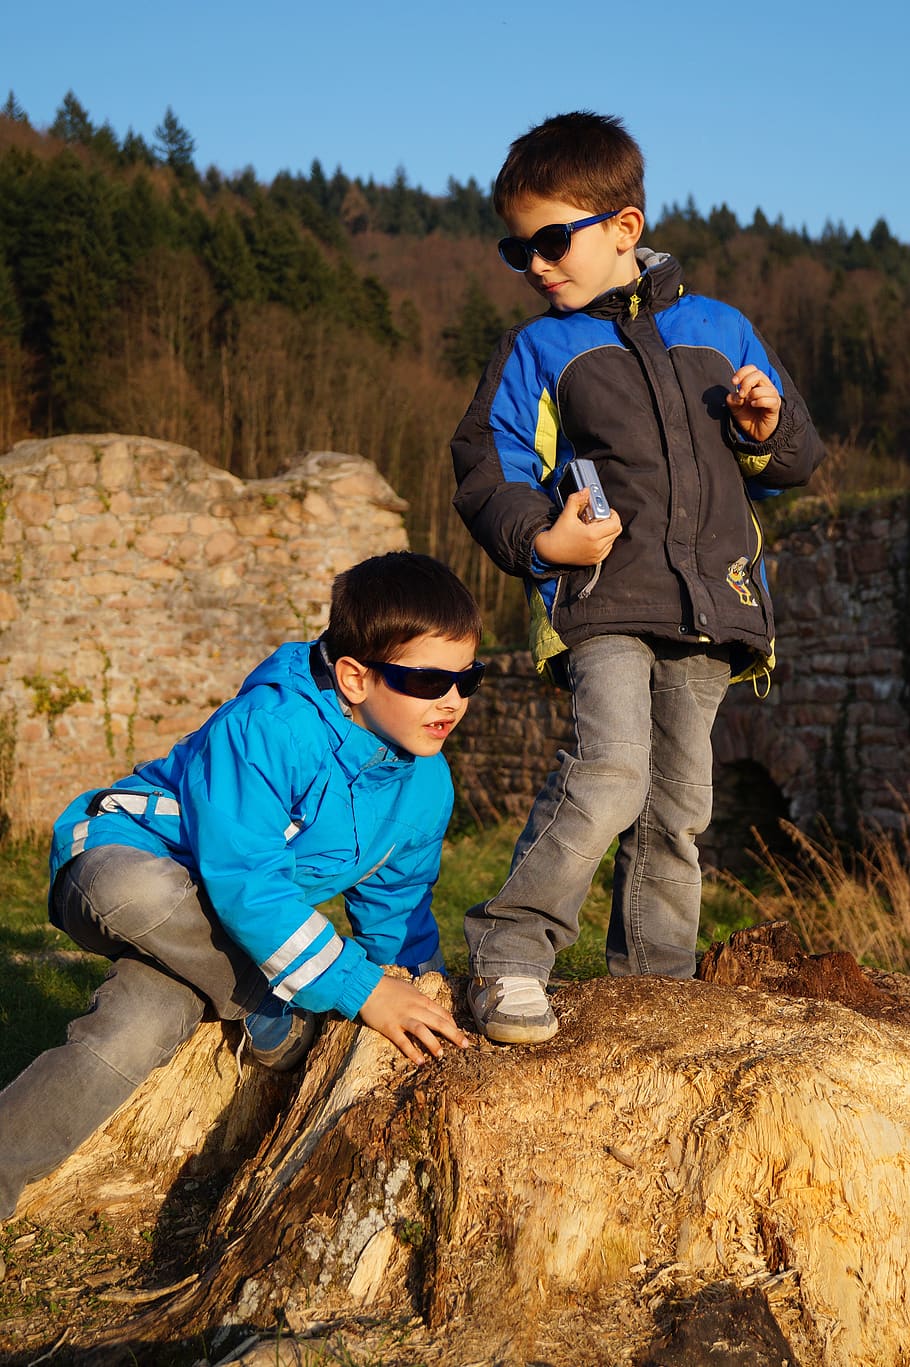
45,983
474,867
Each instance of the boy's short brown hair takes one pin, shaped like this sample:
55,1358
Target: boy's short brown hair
582,158
384,602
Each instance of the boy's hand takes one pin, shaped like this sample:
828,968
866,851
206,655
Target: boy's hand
400,1011
755,403
572,541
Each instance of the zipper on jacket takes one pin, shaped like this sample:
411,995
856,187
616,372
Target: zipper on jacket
591,584
763,594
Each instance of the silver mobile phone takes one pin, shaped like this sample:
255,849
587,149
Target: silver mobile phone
581,474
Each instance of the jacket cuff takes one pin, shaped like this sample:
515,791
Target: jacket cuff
541,569
744,446
357,987
754,456
532,563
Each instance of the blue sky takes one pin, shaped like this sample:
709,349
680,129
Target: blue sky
799,108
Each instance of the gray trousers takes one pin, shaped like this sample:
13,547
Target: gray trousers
172,960
640,769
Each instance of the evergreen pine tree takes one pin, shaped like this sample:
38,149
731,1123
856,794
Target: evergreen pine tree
135,150
105,143
13,110
319,186
175,145
72,122
467,342
230,261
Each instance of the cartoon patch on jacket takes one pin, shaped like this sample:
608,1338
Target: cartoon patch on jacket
738,579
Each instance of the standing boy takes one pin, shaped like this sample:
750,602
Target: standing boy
687,417
200,874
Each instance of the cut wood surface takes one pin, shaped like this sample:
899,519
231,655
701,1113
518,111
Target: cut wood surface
569,1203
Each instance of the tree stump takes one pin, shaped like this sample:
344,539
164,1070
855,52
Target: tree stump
202,1114
561,1203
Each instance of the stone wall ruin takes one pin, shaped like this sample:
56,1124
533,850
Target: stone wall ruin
138,587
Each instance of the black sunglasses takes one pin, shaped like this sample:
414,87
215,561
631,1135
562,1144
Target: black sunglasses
552,242
428,683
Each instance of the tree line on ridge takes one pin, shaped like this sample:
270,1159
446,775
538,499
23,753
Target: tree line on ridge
256,321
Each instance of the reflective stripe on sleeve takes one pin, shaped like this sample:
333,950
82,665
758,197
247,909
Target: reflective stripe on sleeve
80,834
309,971
140,804
292,948
134,804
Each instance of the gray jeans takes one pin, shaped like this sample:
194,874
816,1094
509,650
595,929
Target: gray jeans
640,770
171,960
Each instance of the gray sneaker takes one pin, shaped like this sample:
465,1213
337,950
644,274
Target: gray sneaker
512,1010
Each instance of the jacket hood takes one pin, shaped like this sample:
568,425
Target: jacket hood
288,667
303,668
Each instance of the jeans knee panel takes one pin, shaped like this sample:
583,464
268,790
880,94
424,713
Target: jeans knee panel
601,798
137,1019
127,890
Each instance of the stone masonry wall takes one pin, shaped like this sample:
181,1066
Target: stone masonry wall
139,585
834,733
831,739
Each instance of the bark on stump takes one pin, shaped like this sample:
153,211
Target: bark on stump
672,1135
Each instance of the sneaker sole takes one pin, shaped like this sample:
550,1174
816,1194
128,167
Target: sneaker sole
501,1032
518,1034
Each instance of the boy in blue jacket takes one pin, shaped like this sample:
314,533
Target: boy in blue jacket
688,418
200,875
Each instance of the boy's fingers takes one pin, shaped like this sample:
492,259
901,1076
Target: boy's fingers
416,1033
739,377
439,1022
406,1046
753,386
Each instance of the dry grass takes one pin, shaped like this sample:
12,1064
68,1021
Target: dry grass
839,898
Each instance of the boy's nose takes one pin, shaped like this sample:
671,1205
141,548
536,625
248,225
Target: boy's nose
537,265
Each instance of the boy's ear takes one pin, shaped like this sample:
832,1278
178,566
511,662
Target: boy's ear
630,224
351,677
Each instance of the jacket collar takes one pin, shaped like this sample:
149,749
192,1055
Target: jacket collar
358,748
659,285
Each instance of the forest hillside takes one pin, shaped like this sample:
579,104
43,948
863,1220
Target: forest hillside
257,321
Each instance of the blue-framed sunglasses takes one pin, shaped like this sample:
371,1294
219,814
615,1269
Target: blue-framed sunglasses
551,243
428,683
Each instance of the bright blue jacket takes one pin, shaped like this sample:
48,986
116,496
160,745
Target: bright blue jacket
279,802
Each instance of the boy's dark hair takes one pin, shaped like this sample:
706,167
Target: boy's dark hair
582,158
384,602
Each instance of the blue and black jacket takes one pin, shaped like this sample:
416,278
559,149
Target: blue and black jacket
278,803
637,383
